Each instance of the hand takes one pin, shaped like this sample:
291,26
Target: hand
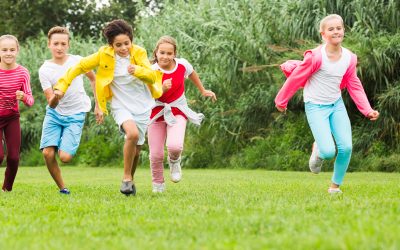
131,69
166,85
209,93
19,95
53,102
59,94
55,99
280,109
373,115
99,115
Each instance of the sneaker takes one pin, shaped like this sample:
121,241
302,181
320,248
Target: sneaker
175,169
315,163
128,188
65,191
158,187
334,190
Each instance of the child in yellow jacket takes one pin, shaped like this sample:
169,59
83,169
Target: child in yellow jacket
124,77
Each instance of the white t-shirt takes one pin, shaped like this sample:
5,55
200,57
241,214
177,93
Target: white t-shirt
129,92
75,99
323,87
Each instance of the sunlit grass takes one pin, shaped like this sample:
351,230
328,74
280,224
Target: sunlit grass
209,209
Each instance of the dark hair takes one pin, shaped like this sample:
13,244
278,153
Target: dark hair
115,28
163,39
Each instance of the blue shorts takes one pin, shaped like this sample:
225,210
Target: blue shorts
63,132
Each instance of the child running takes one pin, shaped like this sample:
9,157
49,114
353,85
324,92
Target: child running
62,126
323,73
125,77
14,87
168,118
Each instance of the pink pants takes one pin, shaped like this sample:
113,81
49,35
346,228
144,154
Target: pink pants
158,134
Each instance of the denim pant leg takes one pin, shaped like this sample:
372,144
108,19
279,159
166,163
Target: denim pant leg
341,130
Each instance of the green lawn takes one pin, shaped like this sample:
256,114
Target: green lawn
209,209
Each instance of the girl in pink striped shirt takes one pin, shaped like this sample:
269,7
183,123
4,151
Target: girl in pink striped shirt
14,86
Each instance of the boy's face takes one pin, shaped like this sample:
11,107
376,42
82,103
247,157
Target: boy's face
59,45
121,45
165,55
333,31
8,51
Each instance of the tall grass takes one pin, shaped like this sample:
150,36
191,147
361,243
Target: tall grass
236,47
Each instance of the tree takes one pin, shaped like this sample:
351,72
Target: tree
26,18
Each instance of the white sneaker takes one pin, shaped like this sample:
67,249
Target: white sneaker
175,169
158,187
315,163
334,190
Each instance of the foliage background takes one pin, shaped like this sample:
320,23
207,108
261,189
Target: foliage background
236,46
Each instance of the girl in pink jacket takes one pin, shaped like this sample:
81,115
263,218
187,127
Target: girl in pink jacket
323,73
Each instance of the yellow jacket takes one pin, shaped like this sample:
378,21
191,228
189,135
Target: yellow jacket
104,60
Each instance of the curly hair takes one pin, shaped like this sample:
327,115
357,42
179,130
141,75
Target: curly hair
115,28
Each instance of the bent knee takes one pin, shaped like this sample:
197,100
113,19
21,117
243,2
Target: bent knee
132,136
327,153
175,149
65,157
346,149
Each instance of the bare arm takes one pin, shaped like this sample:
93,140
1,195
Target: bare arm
51,98
194,77
97,111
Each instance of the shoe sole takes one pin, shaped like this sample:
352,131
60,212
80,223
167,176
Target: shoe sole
176,181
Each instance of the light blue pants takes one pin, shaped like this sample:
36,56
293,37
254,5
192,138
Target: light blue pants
328,120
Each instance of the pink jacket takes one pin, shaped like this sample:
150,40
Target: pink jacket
299,73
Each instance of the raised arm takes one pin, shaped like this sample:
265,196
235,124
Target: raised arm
25,94
194,77
142,70
85,64
294,82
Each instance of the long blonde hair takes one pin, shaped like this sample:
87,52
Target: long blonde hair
3,37
163,39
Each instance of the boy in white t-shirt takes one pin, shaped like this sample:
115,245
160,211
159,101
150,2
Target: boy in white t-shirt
62,125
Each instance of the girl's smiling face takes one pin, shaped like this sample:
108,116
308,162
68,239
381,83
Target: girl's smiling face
8,51
165,56
121,45
333,31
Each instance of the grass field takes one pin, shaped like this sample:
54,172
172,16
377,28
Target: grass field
209,209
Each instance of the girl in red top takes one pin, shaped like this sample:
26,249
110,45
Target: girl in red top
14,86
168,118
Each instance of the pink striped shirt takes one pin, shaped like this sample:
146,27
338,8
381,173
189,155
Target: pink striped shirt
11,81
